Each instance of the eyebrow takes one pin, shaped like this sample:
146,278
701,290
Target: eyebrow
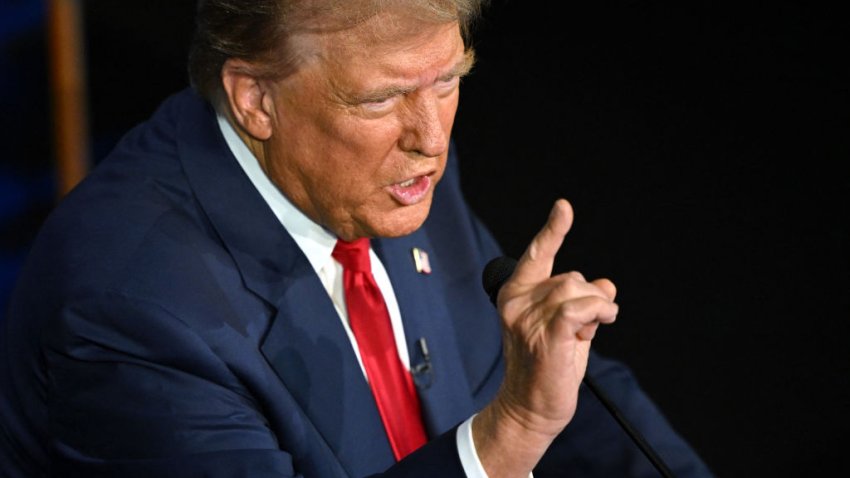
460,69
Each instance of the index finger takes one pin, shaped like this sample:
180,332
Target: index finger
537,261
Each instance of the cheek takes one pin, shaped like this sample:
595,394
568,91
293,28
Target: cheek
369,138
349,174
448,111
360,153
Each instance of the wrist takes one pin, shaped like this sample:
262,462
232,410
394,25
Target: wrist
507,442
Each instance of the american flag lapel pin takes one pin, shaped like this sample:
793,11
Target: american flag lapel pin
420,259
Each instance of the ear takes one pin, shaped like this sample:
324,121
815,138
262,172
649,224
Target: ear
250,103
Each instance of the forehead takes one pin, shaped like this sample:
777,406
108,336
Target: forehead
389,45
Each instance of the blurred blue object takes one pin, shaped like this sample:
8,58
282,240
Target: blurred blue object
17,17
27,186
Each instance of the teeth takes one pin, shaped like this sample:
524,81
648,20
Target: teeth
407,183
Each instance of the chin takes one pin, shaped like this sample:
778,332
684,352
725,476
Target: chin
403,221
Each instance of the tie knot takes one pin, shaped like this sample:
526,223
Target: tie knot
354,255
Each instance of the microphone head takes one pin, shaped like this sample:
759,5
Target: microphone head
496,272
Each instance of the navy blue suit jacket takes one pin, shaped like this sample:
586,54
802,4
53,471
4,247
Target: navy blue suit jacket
167,325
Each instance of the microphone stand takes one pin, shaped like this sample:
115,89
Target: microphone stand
629,429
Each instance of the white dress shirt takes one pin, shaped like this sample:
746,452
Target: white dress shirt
317,243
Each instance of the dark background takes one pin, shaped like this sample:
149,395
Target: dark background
700,143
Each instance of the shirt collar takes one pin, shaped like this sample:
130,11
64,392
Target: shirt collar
316,242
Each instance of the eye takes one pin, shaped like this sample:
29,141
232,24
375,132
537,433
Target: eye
447,85
379,105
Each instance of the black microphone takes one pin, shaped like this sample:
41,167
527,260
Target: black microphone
495,274
423,374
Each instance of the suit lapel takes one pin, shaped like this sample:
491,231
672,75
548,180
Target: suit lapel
308,348
305,344
444,391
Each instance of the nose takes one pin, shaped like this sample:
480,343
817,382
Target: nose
423,132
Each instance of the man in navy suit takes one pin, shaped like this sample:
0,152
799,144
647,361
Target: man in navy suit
182,312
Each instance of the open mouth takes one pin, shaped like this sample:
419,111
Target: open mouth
411,191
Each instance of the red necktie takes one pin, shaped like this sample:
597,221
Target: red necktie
392,386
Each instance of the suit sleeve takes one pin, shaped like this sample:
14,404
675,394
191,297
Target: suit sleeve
133,393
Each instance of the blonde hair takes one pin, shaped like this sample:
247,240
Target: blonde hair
257,30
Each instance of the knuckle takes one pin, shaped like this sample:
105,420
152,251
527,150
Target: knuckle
567,309
534,250
576,276
511,308
567,285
